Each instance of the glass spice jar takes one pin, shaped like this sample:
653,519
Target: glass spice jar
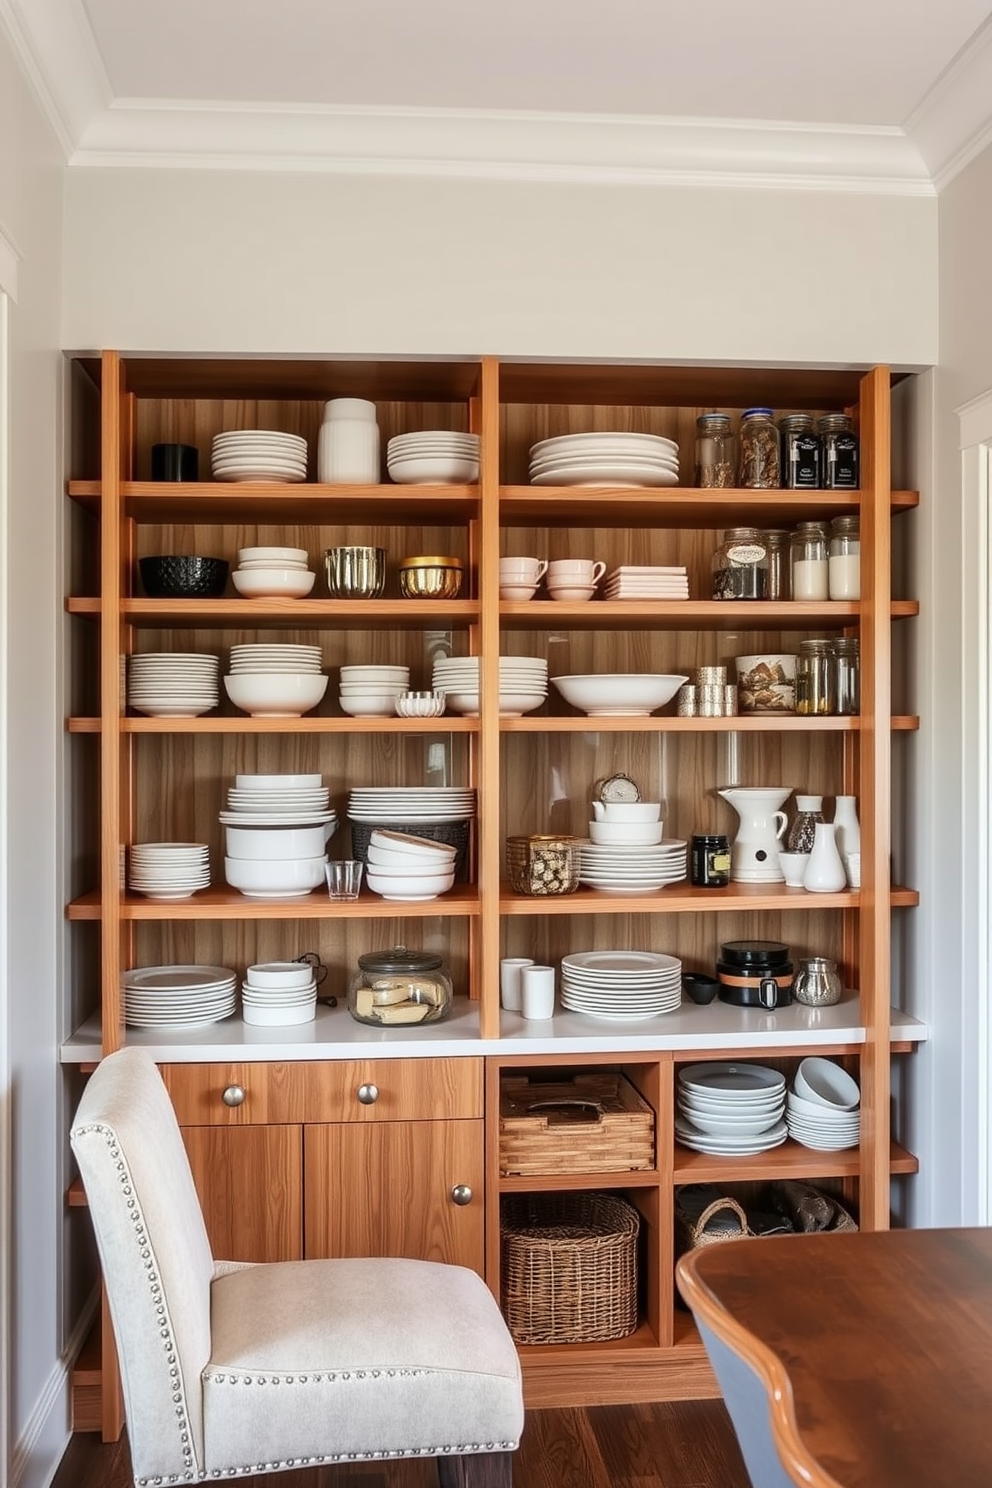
760,464
814,678
777,543
840,452
716,464
845,558
740,565
847,676
800,452
808,561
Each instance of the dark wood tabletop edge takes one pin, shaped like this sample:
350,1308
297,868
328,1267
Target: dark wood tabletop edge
705,1305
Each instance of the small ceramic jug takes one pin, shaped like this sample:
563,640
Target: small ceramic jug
817,982
825,872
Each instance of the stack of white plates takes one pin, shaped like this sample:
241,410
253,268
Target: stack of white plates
523,684
272,657
633,581
433,455
277,801
411,805
630,869
169,870
621,985
730,1109
259,455
173,684
371,691
823,1107
605,459
178,996
276,994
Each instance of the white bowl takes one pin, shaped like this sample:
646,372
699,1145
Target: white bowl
824,1083
371,673
372,689
273,583
275,879
277,844
511,704
276,694
410,886
517,591
275,557
410,843
375,705
572,593
279,1017
279,975
420,704
628,694
382,860
627,811
640,834
425,469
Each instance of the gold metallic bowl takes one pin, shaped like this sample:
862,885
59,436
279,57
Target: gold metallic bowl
430,578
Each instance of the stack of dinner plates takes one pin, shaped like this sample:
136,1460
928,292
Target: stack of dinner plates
273,657
259,455
730,1109
605,459
633,581
627,868
523,684
433,455
178,996
169,870
173,684
278,801
624,986
411,805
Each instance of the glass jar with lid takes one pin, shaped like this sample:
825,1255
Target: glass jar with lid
777,542
716,463
840,452
847,676
845,558
800,452
815,678
399,988
760,463
808,564
740,565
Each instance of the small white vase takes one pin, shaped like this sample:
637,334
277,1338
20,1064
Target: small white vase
847,828
825,870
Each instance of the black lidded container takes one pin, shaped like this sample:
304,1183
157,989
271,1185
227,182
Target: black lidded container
755,973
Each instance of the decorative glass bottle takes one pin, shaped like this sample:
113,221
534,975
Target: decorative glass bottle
809,811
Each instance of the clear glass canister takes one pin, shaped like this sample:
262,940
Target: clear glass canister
840,452
399,988
845,558
815,678
760,463
716,462
740,565
808,565
779,579
847,676
800,452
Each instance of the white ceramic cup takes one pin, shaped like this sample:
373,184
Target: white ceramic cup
794,868
522,570
537,991
510,990
852,866
575,572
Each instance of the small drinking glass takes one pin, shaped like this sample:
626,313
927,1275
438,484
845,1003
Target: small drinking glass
344,878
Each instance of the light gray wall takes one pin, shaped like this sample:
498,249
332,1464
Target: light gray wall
31,181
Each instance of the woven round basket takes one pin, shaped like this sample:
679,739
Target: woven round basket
454,833
569,1267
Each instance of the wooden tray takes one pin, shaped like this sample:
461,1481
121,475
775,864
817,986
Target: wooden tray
591,1123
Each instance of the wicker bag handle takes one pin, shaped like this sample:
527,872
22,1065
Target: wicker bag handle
725,1204
569,1103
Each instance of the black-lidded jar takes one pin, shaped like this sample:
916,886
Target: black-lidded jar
800,452
755,973
710,861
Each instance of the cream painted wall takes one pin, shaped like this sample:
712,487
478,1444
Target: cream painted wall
226,262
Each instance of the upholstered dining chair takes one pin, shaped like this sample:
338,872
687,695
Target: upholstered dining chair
230,1369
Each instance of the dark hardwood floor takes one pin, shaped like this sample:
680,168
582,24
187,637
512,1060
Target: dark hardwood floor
687,1444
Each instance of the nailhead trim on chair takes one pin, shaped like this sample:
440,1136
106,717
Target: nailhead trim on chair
291,1462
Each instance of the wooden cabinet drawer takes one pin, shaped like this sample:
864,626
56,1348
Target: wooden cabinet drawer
405,1089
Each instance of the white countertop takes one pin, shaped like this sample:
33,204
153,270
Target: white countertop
334,1034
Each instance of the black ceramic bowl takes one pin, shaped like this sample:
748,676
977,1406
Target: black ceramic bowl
700,987
173,576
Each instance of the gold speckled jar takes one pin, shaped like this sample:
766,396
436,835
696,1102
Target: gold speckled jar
543,865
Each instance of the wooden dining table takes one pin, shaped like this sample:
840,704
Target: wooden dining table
875,1350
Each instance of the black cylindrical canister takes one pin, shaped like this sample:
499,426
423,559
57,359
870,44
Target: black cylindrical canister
710,865
755,973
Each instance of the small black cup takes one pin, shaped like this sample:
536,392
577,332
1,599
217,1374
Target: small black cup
700,987
175,462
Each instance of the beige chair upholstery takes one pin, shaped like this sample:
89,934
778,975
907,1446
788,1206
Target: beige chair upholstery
233,1369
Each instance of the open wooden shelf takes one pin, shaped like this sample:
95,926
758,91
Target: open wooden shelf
685,898
229,904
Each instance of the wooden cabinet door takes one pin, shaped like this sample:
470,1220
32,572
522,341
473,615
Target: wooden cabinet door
386,1190
250,1183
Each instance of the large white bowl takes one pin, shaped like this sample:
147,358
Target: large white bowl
276,694
825,1083
511,704
627,811
410,886
273,583
424,469
409,843
277,844
289,877
640,834
626,694
374,705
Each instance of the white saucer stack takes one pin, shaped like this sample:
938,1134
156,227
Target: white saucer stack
169,870
411,805
278,994
622,986
605,459
178,996
258,455
433,455
645,581
729,1109
630,869
173,684
523,684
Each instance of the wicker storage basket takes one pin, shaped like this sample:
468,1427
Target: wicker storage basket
592,1123
454,833
569,1267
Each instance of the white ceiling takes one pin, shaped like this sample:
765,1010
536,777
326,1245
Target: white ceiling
863,94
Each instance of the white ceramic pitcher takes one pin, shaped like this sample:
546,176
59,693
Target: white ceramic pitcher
754,855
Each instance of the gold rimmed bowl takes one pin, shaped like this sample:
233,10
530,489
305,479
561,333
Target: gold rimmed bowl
430,577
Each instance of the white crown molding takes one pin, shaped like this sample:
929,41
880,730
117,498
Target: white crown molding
57,51
508,145
953,122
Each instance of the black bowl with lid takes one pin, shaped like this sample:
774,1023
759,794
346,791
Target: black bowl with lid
755,973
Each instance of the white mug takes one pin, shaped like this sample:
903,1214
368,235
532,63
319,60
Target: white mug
510,990
575,571
537,985
522,570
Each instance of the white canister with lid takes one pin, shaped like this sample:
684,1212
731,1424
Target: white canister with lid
348,443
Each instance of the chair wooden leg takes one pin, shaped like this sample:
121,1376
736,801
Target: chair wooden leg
476,1470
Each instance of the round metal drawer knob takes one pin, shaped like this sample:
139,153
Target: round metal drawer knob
461,1194
234,1095
368,1094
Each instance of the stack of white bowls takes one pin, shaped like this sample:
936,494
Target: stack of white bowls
169,870
433,455
271,573
371,691
823,1107
275,681
258,455
276,994
408,868
277,828
523,684
173,684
